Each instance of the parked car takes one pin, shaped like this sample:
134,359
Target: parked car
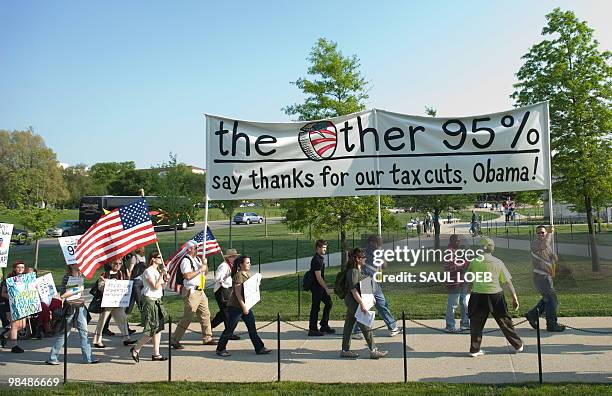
20,237
247,218
65,228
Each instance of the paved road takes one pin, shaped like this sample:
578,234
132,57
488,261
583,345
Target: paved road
571,356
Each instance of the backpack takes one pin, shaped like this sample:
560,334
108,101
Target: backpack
179,274
308,281
340,284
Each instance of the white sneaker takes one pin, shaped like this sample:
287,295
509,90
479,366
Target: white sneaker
520,349
477,353
377,353
394,332
357,336
349,354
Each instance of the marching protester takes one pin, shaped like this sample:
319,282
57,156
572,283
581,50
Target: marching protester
320,292
457,290
117,313
19,268
542,259
236,310
135,267
192,272
153,311
368,269
75,314
353,302
488,298
223,289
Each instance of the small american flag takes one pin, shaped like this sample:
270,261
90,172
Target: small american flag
173,263
113,236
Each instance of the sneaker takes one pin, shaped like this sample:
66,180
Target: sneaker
464,328
264,351
556,328
394,332
451,330
177,345
95,361
17,349
377,354
349,354
477,353
223,353
52,362
315,333
519,350
533,321
108,333
357,336
131,331
209,341
327,330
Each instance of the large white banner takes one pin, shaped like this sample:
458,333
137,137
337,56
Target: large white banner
376,150
5,243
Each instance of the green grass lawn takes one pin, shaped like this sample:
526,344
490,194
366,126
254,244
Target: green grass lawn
566,233
64,214
301,388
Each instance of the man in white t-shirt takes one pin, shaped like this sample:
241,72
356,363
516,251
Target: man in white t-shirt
223,288
194,298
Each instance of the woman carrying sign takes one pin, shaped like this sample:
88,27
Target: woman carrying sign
117,313
153,311
237,309
19,268
75,314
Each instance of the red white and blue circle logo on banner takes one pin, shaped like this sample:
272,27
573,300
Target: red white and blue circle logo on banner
318,140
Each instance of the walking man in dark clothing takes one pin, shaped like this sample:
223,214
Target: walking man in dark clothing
320,293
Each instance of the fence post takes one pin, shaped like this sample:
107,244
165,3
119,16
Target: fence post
571,230
169,348
272,254
299,290
404,340
507,238
278,347
296,254
66,349
539,346
259,260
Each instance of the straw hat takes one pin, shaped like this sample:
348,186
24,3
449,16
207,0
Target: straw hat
231,252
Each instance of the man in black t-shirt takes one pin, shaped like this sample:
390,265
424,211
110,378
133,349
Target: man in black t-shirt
320,292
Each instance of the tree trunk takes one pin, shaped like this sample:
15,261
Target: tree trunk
175,238
36,254
230,233
265,222
594,253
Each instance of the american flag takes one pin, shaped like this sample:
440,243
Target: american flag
173,263
113,236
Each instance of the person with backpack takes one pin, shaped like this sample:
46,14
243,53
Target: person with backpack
348,287
135,265
191,276
320,292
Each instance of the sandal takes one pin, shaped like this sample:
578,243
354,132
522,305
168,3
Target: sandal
135,355
159,358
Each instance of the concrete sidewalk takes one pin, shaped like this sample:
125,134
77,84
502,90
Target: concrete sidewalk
432,356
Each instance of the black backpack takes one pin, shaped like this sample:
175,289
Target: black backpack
179,274
308,281
340,284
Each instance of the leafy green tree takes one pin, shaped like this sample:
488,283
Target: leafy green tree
37,221
130,182
336,88
228,207
570,71
175,197
29,171
103,174
79,184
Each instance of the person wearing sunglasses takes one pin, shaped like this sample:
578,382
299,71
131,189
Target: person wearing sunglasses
543,258
153,311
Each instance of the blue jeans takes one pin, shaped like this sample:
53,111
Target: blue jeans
233,317
382,306
81,326
457,297
549,302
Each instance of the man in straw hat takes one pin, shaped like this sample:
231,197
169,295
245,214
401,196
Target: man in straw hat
487,296
193,271
223,288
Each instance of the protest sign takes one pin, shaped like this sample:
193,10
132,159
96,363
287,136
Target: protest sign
117,293
6,230
46,288
23,296
74,281
379,151
68,244
251,291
